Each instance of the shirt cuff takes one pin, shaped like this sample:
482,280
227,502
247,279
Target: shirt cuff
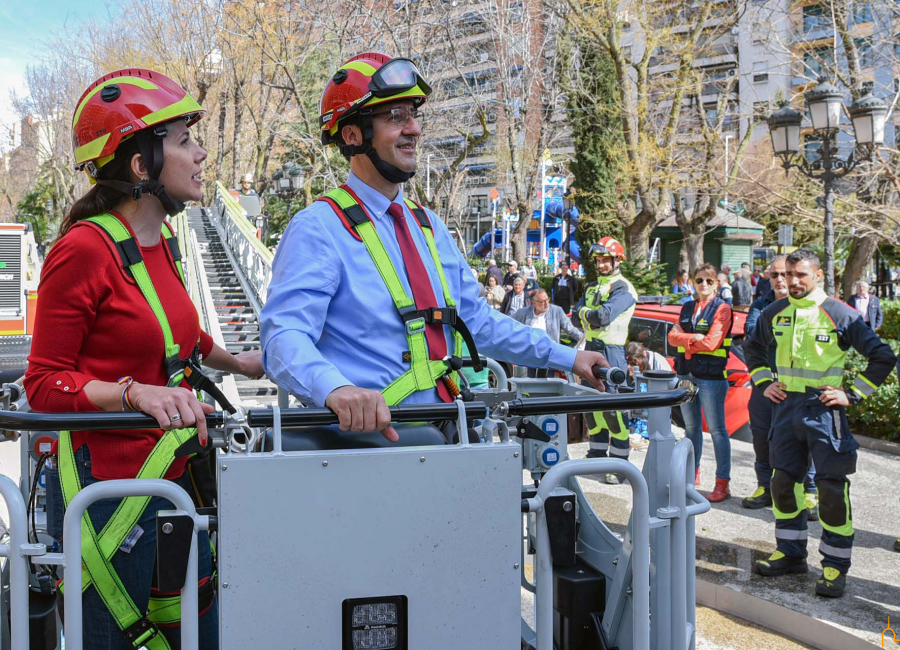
562,358
325,383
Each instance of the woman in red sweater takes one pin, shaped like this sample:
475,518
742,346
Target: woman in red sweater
703,337
99,346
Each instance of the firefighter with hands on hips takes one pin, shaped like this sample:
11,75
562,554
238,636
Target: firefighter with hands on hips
604,313
761,407
370,296
811,334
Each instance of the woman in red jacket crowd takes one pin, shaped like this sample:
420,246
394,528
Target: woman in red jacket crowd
111,338
703,337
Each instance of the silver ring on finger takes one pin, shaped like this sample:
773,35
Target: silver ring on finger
175,418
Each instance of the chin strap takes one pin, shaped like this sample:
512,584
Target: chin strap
150,144
389,172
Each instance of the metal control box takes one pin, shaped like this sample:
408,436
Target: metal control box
303,532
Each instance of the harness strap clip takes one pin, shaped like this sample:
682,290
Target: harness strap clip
141,632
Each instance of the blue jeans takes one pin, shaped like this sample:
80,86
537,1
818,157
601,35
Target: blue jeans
135,569
711,399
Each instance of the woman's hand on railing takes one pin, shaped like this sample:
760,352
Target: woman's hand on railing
173,408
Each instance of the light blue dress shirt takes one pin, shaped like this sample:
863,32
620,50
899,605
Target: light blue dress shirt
329,320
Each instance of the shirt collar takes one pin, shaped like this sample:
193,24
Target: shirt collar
374,201
815,298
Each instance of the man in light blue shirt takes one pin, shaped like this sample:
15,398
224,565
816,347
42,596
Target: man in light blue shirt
331,333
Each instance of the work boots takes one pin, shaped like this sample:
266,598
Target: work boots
779,564
720,492
897,544
831,583
762,498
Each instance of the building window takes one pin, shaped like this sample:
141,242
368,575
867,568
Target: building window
862,13
760,71
760,111
818,61
814,19
811,144
865,51
868,87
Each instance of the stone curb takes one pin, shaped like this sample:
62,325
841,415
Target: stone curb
877,444
791,624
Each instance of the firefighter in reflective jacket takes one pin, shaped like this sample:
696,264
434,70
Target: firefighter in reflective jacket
604,313
812,334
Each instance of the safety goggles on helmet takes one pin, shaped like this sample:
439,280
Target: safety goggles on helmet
599,250
397,76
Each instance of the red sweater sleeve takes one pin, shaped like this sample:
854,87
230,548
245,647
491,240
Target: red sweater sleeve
68,298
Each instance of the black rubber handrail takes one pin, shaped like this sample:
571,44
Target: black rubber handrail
21,421
299,417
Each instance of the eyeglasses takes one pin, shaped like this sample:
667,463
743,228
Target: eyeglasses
400,115
541,302
708,281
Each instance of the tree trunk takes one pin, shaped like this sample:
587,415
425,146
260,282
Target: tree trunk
220,142
235,136
861,252
518,235
637,236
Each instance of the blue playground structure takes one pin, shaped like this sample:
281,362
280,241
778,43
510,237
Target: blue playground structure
553,222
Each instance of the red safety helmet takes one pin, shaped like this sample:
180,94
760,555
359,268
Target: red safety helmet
608,246
368,79
121,104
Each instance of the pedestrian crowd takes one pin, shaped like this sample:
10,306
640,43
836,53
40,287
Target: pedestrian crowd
795,340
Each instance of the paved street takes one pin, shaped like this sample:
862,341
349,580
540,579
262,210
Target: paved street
730,538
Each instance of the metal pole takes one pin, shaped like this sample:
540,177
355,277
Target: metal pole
18,562
727,138
543,205
493,225
72,532
829,225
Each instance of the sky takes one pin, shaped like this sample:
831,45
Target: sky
25,25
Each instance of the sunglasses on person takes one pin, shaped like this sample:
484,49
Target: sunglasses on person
399,116
708,281
773,274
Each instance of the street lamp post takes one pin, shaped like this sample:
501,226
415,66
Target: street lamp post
825,103
568,204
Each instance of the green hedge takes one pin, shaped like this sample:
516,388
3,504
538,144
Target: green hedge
890,329
876,416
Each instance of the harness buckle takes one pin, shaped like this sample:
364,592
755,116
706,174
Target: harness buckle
141,632
174,366
415,325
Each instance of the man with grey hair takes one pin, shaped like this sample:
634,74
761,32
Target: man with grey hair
549,318
867,305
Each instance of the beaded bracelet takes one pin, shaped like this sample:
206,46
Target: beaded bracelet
126,382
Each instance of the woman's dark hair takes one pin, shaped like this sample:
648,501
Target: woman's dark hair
101,199
494,278
636,354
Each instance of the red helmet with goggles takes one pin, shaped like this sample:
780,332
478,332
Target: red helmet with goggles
608,246
367,80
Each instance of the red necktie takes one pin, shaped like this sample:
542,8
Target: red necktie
421,289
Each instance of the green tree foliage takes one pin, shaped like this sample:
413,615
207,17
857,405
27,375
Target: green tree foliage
596,131
35,203
877,415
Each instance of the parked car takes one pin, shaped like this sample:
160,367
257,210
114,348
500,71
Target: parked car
650,325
